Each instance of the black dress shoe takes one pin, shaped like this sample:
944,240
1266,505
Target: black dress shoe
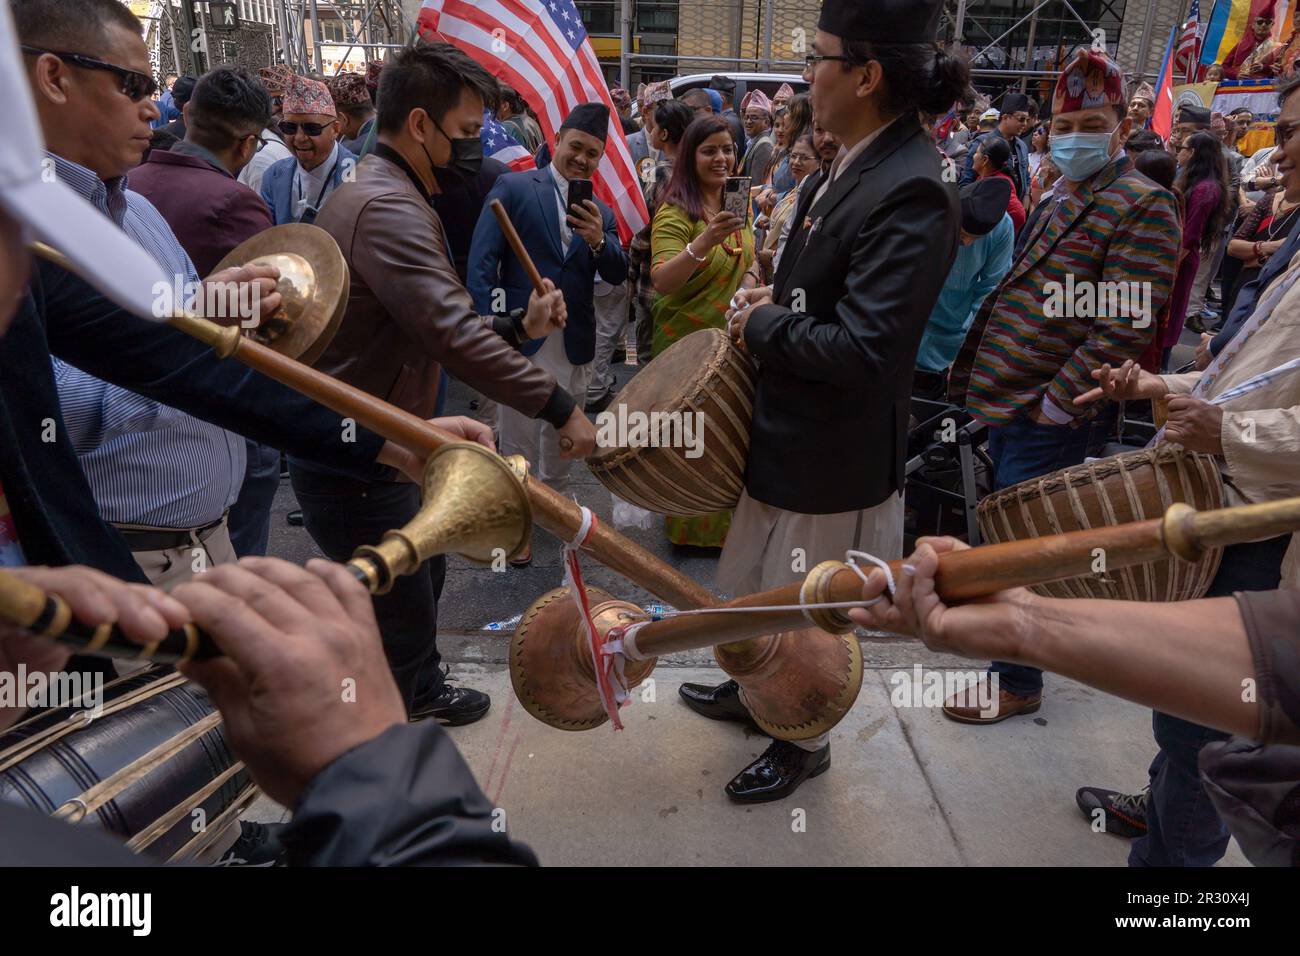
453,707
294,518
778,772
717,703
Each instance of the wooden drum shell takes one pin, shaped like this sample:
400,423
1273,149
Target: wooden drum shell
1137,486
704,373
64,768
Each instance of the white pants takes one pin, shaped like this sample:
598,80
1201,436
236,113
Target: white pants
764,542
533,438
611,324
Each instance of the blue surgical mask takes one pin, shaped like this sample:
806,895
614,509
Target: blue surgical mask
1081,155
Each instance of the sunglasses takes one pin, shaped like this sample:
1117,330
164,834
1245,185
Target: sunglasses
135,86
311,129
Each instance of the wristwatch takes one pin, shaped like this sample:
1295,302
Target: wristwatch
597,250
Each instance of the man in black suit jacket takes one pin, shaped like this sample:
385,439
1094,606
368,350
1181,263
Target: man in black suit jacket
837,335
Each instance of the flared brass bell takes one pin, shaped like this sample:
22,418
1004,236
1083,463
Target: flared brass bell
474,503
313,285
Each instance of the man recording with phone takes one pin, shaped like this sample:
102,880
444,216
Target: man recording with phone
572,238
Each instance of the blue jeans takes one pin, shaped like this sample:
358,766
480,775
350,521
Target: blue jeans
1183,828
250,516
1027,449
341,514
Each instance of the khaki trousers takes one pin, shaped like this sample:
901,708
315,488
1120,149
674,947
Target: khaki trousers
768,547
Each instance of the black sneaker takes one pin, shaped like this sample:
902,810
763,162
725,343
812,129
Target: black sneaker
258,845
1125,814
453,707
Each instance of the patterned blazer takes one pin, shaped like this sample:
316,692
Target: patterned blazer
1106,252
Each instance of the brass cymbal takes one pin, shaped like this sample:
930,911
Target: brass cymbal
313,283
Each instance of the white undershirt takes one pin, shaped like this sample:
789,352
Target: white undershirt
312,183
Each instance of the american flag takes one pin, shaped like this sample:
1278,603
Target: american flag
1188,53
540,48
500,145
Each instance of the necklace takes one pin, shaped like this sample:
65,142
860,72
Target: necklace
1280,222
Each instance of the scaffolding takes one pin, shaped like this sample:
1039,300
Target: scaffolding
324,33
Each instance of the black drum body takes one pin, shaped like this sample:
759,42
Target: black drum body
154,709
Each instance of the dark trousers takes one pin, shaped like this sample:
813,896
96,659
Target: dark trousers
250,516
341,514
1183,828
1026,449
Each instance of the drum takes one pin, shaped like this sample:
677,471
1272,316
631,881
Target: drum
676,439
1133,487
153,768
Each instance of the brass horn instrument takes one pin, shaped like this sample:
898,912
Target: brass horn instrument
473,504
799,685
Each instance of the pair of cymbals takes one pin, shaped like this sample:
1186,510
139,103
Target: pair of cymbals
313,286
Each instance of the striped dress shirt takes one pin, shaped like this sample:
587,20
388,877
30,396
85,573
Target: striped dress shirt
147,463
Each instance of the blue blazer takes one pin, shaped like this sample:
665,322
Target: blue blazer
277,184
530,199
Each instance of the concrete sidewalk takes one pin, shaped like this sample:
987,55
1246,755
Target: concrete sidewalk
906,786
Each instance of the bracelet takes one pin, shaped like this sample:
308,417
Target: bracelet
691,252
1257,252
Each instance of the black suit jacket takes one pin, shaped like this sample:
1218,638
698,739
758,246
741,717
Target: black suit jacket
858,279
53,508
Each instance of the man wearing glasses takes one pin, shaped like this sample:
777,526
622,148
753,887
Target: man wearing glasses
194,183
296,189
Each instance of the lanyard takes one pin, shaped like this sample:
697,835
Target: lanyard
329,180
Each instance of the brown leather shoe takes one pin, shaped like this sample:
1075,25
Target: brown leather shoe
963,709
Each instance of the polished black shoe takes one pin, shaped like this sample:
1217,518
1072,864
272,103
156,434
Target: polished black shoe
453,707
294,518
717,703
1124,814
778,772
258,845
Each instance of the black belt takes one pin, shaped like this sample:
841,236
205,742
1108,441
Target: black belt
167,539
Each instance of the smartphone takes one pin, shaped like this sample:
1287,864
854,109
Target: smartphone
735,196
579,192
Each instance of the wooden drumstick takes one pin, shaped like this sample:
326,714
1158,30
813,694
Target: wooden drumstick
517,245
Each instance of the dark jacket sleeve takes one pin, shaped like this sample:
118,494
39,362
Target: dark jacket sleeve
406,798
904,241
152,359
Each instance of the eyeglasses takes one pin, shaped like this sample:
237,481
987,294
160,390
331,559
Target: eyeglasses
812,59
135,86
311,129
261,140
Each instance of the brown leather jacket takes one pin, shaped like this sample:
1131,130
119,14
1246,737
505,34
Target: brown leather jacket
408,313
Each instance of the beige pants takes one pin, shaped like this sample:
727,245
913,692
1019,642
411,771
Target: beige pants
768,547
174,566
535,439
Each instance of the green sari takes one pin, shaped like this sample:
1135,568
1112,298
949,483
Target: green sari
699,304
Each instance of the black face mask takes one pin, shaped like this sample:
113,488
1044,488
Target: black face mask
466,156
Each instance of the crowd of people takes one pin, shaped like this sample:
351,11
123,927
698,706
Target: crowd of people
900,239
